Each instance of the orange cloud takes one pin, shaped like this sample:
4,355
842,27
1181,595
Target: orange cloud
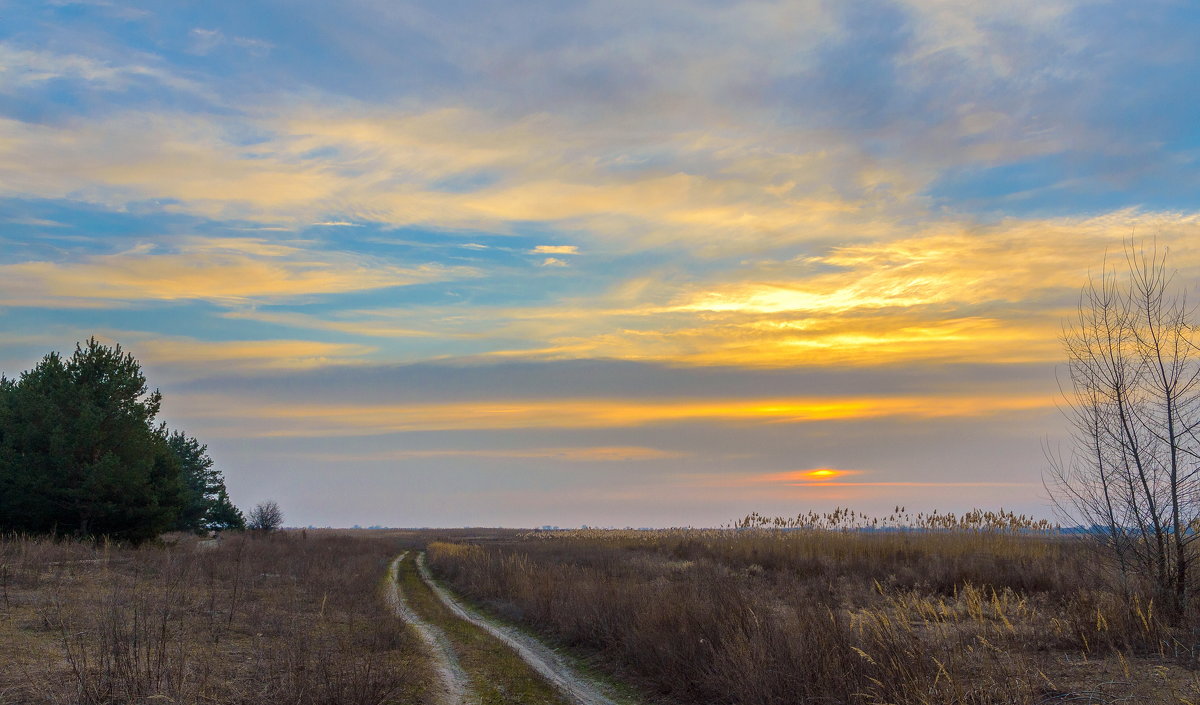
933,298
596,454
369,327
385,166
947,265
774,340
223,270
248,354
370,419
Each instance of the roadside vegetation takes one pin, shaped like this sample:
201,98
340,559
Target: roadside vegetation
983,609
293,617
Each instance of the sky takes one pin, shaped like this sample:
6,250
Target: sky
606,263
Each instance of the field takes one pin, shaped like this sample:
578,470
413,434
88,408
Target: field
289,618
762,616
755,615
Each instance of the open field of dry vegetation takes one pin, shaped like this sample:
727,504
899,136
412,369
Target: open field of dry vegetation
295,617
974,614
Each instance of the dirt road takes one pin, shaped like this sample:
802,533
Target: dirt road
576,687
454,686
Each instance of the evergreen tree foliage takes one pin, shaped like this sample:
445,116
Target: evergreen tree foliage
222,514
80,453
206,504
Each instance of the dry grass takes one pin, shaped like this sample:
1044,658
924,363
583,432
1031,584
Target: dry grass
759,616
766,616
289,618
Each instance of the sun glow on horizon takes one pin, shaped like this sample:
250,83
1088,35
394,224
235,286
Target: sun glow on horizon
824,473
802,477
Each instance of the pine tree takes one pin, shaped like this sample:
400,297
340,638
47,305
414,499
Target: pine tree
206,504
79,451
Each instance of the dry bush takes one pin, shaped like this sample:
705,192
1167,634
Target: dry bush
292,618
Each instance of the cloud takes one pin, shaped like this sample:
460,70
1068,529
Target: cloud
123,12
243,355
730,132
22,68
384,383
990,36
597,454
346,419
554,262
937,296
37,222
948,266
314,162
205,41
742,189
172,360
831,477
221,270
342,322
555,250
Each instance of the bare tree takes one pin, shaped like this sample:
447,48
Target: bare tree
266,517
1135,408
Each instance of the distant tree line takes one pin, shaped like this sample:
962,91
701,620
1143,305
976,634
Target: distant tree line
81,454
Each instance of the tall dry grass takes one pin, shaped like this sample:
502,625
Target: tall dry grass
767,616
289,618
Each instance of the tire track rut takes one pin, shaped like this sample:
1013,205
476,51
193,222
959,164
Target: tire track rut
454,686
579,689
